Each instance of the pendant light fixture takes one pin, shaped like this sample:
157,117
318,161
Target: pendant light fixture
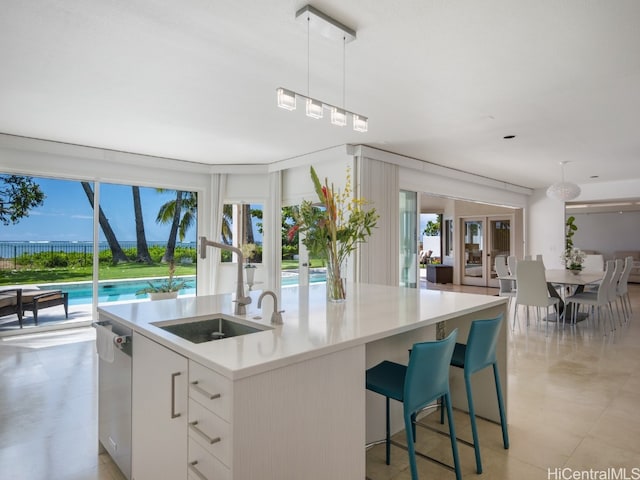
332,29
563,191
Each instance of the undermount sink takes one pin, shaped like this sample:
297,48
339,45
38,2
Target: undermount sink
218,327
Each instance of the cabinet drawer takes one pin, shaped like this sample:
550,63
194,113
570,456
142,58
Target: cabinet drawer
204,466
210,431
205,384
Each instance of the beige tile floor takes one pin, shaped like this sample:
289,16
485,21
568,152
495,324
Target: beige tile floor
573,403
573,400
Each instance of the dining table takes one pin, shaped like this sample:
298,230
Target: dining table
569,282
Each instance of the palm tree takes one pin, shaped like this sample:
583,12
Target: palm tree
117,255
247,224
227,220
143,255
182,213
171,211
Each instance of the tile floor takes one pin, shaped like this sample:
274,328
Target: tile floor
573,400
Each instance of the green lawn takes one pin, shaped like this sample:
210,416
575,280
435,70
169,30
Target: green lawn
290,264
77,274
108,272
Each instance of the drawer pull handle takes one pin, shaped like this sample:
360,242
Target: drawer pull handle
211,441
199,389
196,472
173,395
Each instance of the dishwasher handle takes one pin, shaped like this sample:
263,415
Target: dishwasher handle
173,395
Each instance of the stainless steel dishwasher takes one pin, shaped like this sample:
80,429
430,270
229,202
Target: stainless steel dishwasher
114,394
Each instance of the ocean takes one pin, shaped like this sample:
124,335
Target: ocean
9,249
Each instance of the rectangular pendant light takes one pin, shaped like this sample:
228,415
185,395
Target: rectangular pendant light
360,123
286,99
314,108
321,23
338,116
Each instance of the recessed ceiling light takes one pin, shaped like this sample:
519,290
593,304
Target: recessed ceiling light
509,137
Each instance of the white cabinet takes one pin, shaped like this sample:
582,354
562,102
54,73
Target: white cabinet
159,411
210,428
190,422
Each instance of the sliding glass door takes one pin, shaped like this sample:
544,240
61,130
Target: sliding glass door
408,239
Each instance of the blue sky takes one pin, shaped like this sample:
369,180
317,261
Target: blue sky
66,214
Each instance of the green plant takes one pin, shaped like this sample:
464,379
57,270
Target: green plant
573,258
432,229
333,231
170,285
570,230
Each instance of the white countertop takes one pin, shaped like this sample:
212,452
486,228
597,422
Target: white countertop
312,327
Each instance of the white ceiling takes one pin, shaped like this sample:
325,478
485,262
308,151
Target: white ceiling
441,81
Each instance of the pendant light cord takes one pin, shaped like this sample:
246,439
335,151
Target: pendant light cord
308,54
344,72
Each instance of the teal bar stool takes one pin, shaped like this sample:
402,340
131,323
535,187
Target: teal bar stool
424,380
476,355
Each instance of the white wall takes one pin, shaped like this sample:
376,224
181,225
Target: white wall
544,228
607,232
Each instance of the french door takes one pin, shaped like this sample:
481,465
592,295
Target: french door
483,240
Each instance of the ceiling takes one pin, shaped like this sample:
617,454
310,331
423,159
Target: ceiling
442,81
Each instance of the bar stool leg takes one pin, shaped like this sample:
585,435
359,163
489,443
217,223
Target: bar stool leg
452,436
388,437
474,428
503,417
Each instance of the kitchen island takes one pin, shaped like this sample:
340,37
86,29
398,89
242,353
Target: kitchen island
288,401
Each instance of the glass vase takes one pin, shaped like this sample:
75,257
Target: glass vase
336,288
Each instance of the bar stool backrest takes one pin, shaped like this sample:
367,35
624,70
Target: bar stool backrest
427,376
481,344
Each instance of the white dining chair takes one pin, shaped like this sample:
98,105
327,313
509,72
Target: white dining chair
507,286
532,291
613,288
512,262
623,290
593,264
597,301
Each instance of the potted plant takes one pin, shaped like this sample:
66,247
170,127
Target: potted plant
573,260
333,230
166,289
248,249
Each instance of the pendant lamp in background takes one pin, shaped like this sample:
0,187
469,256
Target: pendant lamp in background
564,191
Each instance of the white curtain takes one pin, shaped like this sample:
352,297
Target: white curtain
377,260
218,187
272,241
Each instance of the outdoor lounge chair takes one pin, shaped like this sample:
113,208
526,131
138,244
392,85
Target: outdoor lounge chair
35,300
11,303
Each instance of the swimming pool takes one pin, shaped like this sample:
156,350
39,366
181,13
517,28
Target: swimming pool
125,290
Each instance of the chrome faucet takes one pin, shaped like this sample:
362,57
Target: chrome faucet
276,316
240,300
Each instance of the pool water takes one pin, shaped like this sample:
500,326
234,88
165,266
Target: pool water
125,290
116,291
